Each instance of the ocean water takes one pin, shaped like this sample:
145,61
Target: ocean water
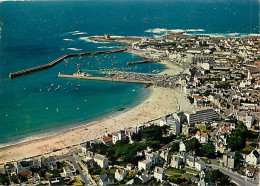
34,33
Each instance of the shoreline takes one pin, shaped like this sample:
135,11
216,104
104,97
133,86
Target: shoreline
85,132
158,103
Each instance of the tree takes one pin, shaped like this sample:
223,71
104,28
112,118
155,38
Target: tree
237,139
192,144
175,147
4,179
216,176
206,93
208,150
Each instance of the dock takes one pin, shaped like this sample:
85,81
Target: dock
139,62
58,60
105,79
130,77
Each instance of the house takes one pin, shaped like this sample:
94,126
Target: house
101,160
159,173
221,142
176,162
48,162
249,120
23,166
105,180
200,165
69,171
117,136
228,159
145,164
195,163
202,137
85,147
107,140
253,158
144,177
154,157
120,174
129,166
182,147
9,169
174,125
26,174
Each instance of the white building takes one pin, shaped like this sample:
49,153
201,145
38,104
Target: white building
48,162
182,147
249,120
69,171
195,163
117,136
202,137
145,165
23,166
120,174
176,161
253,158
101,160
159,173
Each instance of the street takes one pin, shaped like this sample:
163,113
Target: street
239,179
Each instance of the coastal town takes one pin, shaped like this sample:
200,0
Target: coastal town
211,137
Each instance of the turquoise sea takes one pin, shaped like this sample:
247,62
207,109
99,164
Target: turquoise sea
34,33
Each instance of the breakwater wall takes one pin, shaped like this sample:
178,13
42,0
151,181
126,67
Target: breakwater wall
58,60
104,79
139,62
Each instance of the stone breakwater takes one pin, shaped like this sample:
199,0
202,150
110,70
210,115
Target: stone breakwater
58,60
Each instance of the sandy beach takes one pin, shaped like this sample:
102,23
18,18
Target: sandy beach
160,102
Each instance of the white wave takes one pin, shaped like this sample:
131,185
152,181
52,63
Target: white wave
108,47
164,30
68,39
156,30
75,49
89,40
194,30
233,34
79,33
254,35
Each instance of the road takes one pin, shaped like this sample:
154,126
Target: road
73,161
239,179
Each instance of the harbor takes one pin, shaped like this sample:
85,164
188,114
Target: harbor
58,60
167,81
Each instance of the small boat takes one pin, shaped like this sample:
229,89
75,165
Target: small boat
133,90
78,85
49,89
40,90
47,108
64,88
80,57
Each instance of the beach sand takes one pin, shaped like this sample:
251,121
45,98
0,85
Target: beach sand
160,102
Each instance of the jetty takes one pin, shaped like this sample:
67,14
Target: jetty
139,62
130,77
105,79
58,60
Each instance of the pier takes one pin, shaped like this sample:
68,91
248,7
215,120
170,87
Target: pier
139,62
105,79
58,60
130,77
